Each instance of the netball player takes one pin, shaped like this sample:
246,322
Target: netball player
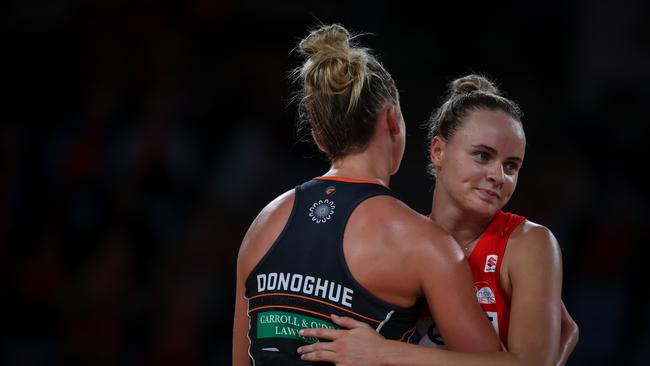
342,243
477,149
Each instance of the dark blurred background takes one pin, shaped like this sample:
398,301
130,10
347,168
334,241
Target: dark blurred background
139,140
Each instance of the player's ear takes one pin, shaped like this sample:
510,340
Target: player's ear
320,146
393,117
438,145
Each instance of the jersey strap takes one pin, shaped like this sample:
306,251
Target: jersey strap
485,263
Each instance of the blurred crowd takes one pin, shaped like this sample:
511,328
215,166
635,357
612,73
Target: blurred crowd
139,140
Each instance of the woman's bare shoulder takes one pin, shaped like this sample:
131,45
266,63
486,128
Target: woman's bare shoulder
532,243
411,231
529,233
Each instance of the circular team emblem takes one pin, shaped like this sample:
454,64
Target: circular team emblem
484,293
321,211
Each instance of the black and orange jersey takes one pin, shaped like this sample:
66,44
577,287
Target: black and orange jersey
304,278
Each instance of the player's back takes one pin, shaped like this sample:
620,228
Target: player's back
306,275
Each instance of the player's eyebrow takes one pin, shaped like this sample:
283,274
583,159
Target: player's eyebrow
494,151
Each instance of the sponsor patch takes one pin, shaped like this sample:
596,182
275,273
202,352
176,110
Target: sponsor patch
491,263
485,295
493,317
330,190
280,324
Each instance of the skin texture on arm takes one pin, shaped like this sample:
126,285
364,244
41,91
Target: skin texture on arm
568,338
534,265
408,256
261,235
240,326
447,285
444,277
534,272
361,341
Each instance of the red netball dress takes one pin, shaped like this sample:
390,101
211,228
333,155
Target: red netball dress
485,264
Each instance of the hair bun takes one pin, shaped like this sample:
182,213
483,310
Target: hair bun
471,83
334,66
331,38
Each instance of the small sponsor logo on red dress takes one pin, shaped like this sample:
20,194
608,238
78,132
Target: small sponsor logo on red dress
485,295
491,263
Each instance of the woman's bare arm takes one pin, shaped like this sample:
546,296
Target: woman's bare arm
534,333
445,279
258,239
240,326
568,337
447,284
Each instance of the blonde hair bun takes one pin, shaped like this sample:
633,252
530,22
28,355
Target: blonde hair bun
334,66
327,38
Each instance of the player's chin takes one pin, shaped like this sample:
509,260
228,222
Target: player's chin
485,209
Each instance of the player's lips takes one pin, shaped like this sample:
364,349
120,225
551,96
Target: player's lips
487,194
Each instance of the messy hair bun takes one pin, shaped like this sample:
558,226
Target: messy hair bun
470,83
333,67
343,88
331,36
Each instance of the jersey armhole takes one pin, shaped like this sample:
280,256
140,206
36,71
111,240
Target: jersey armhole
501,253
297,192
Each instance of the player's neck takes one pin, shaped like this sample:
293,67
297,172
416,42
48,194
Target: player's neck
359,166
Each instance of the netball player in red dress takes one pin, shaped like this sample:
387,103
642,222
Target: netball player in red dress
477,149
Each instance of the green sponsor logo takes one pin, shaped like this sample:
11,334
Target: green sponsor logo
280,324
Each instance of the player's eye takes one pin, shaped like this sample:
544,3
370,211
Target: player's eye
481,156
